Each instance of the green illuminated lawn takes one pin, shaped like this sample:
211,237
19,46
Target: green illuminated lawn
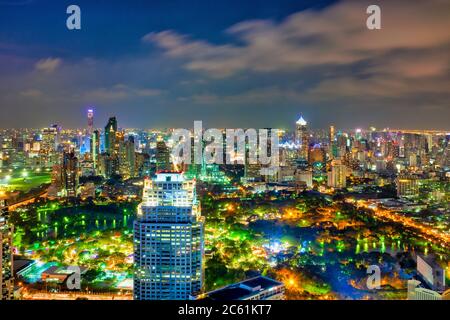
19,183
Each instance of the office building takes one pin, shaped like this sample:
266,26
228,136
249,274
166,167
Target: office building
95,148
431,272
407,186
162,156
338,175
258,288
304,177
69,172
168,240
417,292
302,138
110,135
127,158
90,121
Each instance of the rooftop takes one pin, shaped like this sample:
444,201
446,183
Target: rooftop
301,121
244,289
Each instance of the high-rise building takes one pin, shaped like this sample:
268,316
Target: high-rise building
407,186
331,135
95,148
162,156
304,177
302,138
127,158
56,186
50,139
431,272
317,155
6,256
110,135
69,173
331,149
168,240
338,175
90,121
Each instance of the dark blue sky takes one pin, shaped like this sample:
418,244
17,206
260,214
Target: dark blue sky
112,28
229,63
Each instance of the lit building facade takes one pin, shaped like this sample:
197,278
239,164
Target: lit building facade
162,156
168,240
90,121
302,138
338,175
407,186
258,288
417,292
95,148
70,174
431,272
110,135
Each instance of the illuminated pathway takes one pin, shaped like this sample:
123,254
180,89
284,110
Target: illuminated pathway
14,206
428,233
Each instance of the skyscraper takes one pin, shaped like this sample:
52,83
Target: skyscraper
70,174
338,175
302,138
90,118
168,240
331,143
95,147
162,156
6,256
127,158
110,135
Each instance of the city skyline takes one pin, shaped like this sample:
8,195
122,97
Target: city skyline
224,151
98,124
270,62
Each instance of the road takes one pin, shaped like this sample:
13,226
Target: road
430,234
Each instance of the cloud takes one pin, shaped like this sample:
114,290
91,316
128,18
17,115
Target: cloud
32,93
119,92
336,35
326,59
325,62
48,65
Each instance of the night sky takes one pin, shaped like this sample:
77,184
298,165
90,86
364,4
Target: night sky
246,63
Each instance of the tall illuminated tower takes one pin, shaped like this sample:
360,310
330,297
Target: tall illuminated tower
302,138
331,144
168,240
6,256
162,156
70,174
110,135
95,147
90,118
338,175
